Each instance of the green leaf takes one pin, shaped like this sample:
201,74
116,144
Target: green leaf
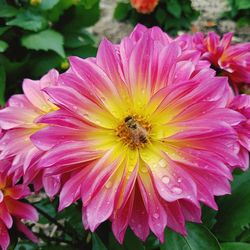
28,20
235,246
2,84
7,11
243,4
82,17
160,15
233,216
58,10
121,11
3,29
97,243
3,46
48,4
199,237
208,217
78,38
45,40
132,242
88,4
174,8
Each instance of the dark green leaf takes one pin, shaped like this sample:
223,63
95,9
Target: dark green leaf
48,4
7,11
78,38
84,51
45,40
234,216
3,29
2,84
235,246
88,4
198,238
26,246
132,242
174,8
243,4
208,217
3,46
82,17
97,243
28,20
121,11
160,15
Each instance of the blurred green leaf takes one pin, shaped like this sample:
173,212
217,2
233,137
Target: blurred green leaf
26,246
243,4
121,11
88,4
3,46
78,38
83,51
48,4
243,21
174,8
133,242
198,238
97,243
45,40
2,84
160,15
58,10
7,11
233,216
82,17
29,21
208,217
235,246
3,29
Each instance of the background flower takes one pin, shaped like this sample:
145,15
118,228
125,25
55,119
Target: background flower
18,121
12,211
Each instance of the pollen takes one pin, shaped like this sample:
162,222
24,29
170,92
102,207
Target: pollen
134,131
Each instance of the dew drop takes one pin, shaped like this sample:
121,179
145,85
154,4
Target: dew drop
85,115
165,179
162,163
179,180
156,215
108,184
177,190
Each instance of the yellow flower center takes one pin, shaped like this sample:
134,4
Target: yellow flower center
134,131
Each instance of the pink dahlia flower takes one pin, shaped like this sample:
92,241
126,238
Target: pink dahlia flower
18,121
241,104
233,60
149,135
13,211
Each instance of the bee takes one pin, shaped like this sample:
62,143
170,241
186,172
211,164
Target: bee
139,134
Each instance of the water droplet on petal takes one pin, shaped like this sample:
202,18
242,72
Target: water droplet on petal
165,179
74,107
156,215
179,180
177,190
108,184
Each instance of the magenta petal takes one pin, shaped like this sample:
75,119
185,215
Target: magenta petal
4,236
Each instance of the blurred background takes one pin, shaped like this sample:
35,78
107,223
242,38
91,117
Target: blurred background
37,35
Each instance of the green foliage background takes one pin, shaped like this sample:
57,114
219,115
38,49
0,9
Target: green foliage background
37,36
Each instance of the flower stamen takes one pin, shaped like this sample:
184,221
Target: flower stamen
134,131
